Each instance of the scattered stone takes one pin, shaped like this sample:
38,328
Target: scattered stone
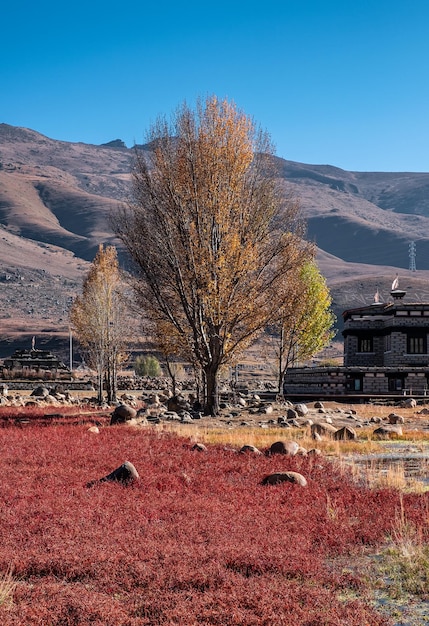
408,403
94,429
125,474
177,404
40,392
386,432
301,451
294,423
394,418
284,447
250,449
301,409
376,419
345,433
199,447
186,418
281,477
318,405
122,414
324,429
292,414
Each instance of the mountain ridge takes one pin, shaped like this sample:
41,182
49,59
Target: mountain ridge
56,196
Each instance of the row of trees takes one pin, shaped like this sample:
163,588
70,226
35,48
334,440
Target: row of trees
218,254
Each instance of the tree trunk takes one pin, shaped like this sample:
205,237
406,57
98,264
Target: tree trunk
114,379
211,391
100,387
280,369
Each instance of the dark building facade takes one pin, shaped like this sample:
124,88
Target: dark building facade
385,353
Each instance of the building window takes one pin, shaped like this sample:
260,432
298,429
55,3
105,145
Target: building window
396,384
365,344
416,345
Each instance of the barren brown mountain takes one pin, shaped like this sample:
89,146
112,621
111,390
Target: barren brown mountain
55,199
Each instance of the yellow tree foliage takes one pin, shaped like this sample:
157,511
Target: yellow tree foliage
97,317
211,236
305,323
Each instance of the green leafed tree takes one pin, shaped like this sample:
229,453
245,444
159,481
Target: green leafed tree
147,365
305,323
211,235
98,317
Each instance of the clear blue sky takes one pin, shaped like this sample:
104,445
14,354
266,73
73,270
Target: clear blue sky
336,82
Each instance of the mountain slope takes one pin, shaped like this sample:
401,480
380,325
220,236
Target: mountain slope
55,200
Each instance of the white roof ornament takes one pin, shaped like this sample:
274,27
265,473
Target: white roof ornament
395,283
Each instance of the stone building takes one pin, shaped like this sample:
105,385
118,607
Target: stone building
35,361
385,353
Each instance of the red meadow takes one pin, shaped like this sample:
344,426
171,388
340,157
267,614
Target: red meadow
197,539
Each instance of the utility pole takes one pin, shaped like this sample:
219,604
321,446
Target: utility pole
412,255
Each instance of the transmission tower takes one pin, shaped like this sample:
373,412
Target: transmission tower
412,255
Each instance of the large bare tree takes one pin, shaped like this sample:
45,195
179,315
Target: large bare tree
211,236
98,318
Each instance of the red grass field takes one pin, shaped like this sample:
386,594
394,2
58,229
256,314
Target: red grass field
197,540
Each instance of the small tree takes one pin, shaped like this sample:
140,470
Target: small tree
305,323
147,365
212,237
98,319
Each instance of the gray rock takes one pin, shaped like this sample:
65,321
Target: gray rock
250,449
345,433
125,474
301,409
394,418
322,429
386,432
281,477
122,414
284,447
40,392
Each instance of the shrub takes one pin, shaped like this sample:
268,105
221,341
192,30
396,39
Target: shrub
147,365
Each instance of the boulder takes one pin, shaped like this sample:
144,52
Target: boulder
284,447
394,418
301,409
266,410
247,449
388,432
199,447
177,404
281,477
322,429
123,413
345,433
40,392
125,474
409,403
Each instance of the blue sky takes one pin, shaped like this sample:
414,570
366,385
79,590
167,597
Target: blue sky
333,81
